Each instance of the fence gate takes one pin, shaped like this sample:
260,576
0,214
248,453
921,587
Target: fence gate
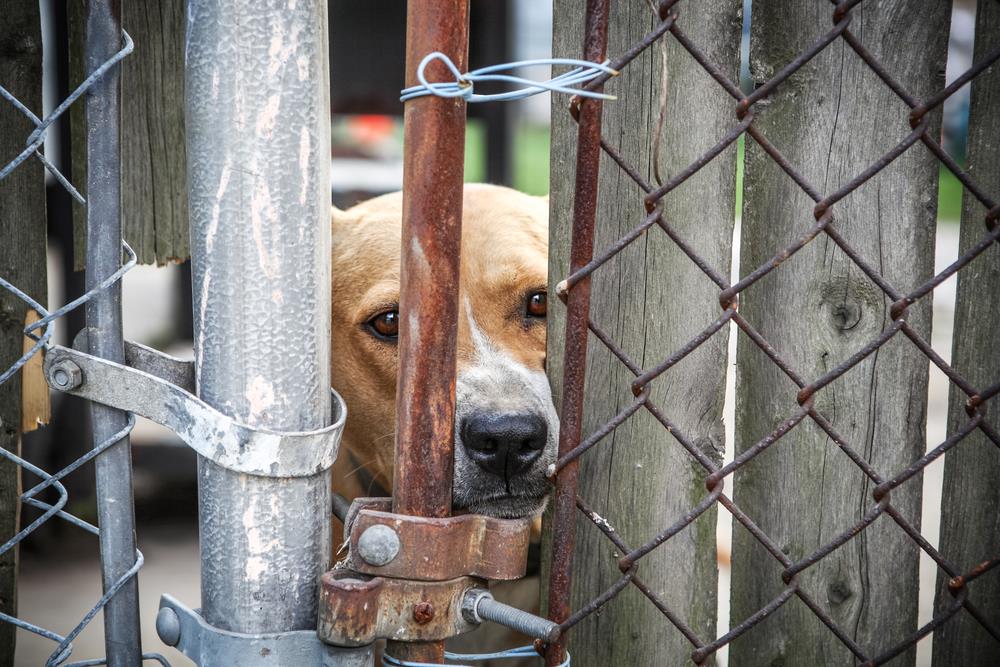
255,404
831,310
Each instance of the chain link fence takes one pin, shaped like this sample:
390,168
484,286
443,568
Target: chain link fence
41,332
669,24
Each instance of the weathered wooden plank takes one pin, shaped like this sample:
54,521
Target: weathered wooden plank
970,513
154,154
22,262
831,120
652,300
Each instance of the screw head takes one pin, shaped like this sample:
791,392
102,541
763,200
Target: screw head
168,626
65,375
378,545
423,612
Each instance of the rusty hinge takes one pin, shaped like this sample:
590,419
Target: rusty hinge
421,579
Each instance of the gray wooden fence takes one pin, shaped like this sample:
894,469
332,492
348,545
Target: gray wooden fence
832,120
22,261
970,520
838,221
640,477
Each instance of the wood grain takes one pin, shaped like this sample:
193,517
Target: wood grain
154,153
22,262
970,513
652,300
832,119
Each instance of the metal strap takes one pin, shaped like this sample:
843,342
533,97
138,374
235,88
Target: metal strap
227,442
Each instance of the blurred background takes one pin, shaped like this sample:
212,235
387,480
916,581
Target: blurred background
505,143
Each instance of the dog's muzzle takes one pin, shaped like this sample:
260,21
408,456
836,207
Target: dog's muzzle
505,445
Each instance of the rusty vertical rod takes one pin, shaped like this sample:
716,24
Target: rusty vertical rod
434,139
578,312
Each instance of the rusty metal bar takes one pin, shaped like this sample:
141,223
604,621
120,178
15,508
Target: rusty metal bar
434,136
578,312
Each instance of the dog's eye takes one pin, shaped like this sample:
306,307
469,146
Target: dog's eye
385,325
537,304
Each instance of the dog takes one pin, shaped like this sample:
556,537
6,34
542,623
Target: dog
506,428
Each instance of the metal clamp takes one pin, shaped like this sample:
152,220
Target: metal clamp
424,549
355,609
159,387
183,628
431,577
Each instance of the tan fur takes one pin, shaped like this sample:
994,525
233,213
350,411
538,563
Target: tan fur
504,251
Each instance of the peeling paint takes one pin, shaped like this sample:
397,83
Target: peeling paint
261,211
199,356
260,396
213,224
268,117
305,147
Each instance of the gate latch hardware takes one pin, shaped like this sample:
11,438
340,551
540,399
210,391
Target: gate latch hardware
161,388
186,630
467,545
421,579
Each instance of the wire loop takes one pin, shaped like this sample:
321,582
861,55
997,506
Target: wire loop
463,86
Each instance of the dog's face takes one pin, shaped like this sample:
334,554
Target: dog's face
506,428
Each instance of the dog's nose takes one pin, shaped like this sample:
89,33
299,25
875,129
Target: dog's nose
505,445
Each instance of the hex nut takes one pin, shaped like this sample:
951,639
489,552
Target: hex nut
168,626
65,375
378,545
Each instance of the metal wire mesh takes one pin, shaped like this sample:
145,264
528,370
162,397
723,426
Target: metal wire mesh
41,332
669,26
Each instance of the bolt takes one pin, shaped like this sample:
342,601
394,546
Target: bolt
423,612
378,545
168,626
478,605
65,375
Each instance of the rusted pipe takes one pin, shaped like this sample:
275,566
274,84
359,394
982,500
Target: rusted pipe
578,312
434,138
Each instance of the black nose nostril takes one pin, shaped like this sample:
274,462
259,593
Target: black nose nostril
504,444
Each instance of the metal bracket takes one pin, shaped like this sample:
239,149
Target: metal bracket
158,387
185,629
431,570
436,549
355,609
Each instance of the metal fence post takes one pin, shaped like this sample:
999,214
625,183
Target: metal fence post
432,228
115,511
257,112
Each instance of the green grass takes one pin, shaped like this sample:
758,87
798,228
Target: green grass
531,157
475,152
949,196
531,167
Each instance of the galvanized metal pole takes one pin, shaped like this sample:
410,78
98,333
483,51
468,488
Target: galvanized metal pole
257,103
434,137
588,156
115,509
